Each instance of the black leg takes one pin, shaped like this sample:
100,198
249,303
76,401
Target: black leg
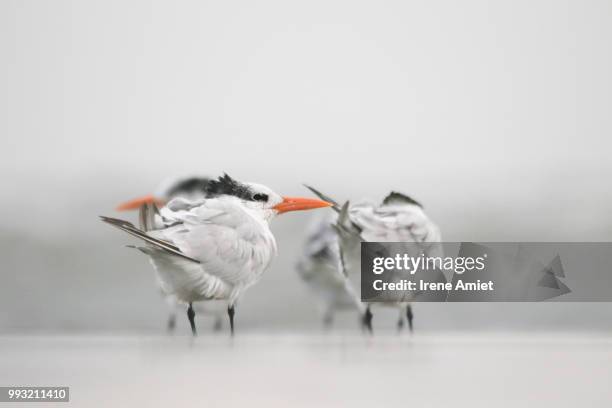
230,313
191,316
218,324
171,322
367,319
328,319
409,316
400,321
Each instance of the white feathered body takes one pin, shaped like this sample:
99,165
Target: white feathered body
394,222
320,266
233,245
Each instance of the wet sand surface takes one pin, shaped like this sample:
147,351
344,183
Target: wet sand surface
336,369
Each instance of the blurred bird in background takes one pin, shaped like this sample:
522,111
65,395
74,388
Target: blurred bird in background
189,188
398,218
320,267
216,247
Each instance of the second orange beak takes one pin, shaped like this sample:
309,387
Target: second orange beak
137,202
299,204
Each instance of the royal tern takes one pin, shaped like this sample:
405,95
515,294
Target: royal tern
399,218
216,247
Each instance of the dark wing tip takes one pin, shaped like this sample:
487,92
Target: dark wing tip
116,221
324,197
130,229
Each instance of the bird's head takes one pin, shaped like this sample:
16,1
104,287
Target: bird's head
260,198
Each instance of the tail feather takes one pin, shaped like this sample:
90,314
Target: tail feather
158,243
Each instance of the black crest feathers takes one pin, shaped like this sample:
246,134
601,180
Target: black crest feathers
398,198
225,185
190,185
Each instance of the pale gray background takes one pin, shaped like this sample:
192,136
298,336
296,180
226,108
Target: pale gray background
496,115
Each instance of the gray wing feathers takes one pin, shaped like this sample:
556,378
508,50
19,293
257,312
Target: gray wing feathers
132,230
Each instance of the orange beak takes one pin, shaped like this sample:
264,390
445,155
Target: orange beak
299,204
138,202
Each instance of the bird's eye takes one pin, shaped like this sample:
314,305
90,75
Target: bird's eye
260,197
